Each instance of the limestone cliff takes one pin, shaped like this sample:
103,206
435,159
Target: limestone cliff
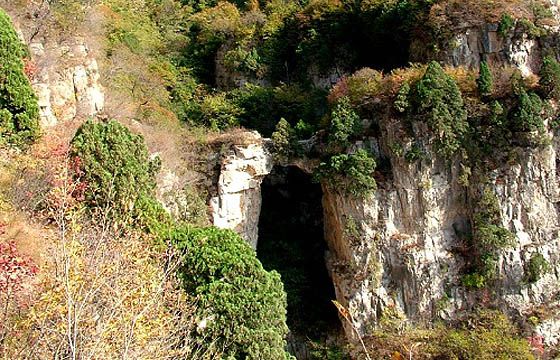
402,249
237,201
63,72
406,253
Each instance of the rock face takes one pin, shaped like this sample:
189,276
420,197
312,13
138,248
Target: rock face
66,82
475,44
237,202
406,253
65,76
400,249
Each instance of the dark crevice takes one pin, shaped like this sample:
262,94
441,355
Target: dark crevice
291,241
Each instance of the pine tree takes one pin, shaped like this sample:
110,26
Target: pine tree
550,78
485,81
19,112
438,101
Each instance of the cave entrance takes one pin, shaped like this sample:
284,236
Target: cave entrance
291,241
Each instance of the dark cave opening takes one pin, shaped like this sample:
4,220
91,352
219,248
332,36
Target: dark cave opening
291,241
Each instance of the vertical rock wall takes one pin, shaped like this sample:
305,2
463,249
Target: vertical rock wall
237,202
407,254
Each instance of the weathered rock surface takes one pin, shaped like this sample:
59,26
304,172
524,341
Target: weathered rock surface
64,74
66,82
237,203
403,248
407,253
472,45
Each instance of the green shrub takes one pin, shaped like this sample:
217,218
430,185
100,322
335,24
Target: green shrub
489,237
492,337
19,112
401,102
414,154
482,335
218,112
496,112
440,104
550,78
241,307
349,173
283,141
473,281
304,130
527,115
345,123
119,176
507,22
485,81
537,267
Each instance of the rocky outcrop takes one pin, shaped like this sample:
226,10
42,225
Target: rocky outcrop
66,81
403,249
64,74
407,254
472,45
236,204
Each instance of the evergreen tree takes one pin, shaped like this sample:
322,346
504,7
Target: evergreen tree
283,141
19,112
527,115
345,123
485,81
241,306
550,78
119,175
440,104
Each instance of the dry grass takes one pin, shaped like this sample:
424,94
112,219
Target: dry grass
457,13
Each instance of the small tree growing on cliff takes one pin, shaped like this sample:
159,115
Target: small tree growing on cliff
283,141
485,81
345,123
440,104
19,112
527,115
550,78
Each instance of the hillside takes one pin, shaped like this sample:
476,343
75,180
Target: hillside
278,179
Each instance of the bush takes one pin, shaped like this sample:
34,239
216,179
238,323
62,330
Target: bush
485,81
537,267
550,78
241,307
19,112
349,173
527,115
440,104
489,238
507,22
402,103
117,171
345,123
483,335
219,113
283,141
363,84
493,337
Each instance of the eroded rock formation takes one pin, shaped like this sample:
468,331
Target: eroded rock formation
237,202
